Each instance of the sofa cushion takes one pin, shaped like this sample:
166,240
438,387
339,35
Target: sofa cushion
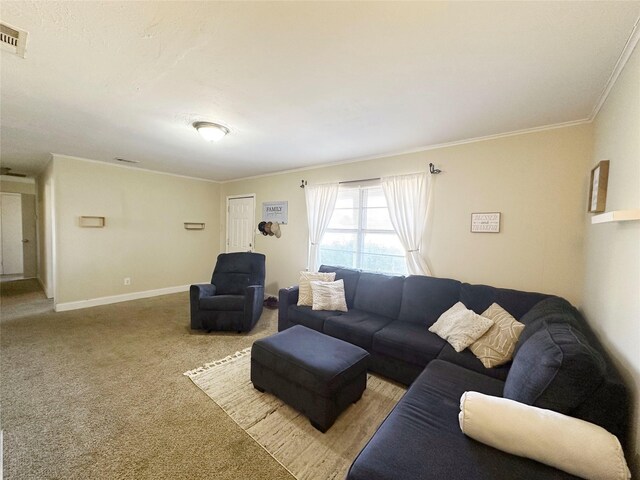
223,302
421,438
328,296
497,345
555,368
469,361
460,326
408,341
424,299
350,277
305,294
306,316
355,327
549,310
479,297
379,294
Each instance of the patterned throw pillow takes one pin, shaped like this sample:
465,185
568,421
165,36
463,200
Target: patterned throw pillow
496,346
305,296
460,326
328,296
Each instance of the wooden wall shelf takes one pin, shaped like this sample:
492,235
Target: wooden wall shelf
194,225
92,222
617,216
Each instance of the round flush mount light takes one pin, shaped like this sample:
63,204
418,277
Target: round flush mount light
211,132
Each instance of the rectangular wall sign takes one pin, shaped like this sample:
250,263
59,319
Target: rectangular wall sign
275,212
485,222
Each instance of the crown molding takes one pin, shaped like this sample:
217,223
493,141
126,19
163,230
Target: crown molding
131,167
437,146
627,50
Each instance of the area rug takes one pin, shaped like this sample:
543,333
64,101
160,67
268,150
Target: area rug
285,433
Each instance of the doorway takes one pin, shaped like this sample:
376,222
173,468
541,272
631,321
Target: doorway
241,214
18,258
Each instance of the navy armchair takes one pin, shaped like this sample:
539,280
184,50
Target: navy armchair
233,299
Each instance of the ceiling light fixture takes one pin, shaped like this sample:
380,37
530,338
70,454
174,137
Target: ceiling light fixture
211,132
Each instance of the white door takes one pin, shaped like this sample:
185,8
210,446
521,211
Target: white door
11,219
240,219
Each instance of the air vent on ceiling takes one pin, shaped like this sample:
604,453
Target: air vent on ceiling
124,160
13,40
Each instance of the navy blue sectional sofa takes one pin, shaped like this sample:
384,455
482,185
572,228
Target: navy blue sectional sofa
558,364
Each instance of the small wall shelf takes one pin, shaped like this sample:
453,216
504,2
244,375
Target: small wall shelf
194,225
617,216
92,222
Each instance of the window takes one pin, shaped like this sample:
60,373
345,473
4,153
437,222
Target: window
360,234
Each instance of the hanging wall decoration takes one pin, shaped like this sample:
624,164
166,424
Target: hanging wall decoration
275,212
486,222
598,187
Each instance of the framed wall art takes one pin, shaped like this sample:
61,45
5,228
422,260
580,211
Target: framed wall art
485,222
598,187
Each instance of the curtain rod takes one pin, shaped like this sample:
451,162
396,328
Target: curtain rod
361,180
432,170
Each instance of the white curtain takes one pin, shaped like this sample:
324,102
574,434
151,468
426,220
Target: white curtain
321,200
408,202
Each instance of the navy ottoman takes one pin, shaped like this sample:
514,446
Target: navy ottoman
316,374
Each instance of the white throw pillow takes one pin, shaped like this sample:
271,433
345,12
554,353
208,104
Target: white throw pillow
328,295
569,444
305,296
460,326
496,346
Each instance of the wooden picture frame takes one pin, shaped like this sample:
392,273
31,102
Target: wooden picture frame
598,187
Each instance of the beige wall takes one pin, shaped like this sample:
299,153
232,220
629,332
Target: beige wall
144,237
612,250
535,180
17,187
44,208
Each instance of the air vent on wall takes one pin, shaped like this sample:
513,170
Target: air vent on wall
124,160
13,40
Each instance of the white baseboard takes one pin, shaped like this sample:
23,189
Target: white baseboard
125,297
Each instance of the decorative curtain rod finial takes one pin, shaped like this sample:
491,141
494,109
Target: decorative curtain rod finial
304,182
433,170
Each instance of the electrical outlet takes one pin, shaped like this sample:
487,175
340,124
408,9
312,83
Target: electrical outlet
127,280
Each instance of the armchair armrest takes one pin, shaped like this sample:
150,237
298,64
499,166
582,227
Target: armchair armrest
254,298
196,292
287,296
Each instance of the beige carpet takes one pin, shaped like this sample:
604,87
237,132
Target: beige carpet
285,433
99,393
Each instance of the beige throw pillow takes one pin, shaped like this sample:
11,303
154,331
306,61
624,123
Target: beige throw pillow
575,446
496,346
305,296
460,326
328,295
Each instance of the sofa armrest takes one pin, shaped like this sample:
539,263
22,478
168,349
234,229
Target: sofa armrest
287,296
254,298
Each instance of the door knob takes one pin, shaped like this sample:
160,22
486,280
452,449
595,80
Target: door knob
26,240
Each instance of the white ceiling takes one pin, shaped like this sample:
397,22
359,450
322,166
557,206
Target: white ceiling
298,83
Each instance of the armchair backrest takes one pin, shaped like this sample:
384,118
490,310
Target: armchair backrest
234,272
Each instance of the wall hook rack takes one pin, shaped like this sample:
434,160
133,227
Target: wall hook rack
302,185
433,170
